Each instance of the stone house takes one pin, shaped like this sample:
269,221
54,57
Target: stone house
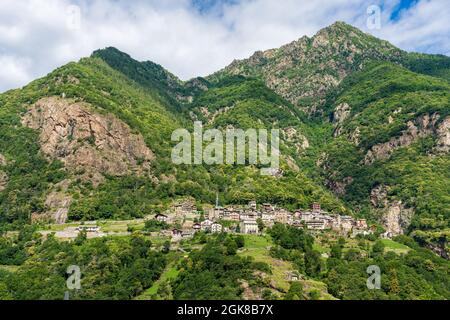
315,207
161,217
206,225
316,224
234,216
281,216
248,215
306,216
219,213
249,227
361,224
216,228
267,207
186,234
176,234
88,228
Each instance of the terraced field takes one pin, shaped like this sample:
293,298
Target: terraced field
258,247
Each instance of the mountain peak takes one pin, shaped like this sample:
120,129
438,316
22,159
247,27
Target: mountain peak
108,52
341,25
304,71
148,74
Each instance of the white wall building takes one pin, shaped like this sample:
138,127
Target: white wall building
206,225
216,228
249,227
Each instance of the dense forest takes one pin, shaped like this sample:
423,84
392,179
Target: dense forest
124,268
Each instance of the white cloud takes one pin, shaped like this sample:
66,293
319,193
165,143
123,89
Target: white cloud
14,71
424,28
37,36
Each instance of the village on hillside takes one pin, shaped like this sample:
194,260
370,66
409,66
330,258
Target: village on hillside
252,218
183,220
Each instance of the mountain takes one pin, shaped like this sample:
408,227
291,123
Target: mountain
364,131
383,135
304,71
93,140
389,154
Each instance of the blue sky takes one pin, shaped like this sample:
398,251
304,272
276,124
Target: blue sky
194,37
404,5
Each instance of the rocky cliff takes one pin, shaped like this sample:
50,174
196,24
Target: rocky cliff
3,175
395,217
423,126
85,140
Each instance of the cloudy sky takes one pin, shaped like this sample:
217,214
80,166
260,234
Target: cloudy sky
196,37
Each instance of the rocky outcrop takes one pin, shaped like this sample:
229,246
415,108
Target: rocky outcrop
378,197
58,203
443,134
211,116
421,127
341,113
86,141
294,137
291,164
339,187
3,180
396,218
304,71
440,249
3,175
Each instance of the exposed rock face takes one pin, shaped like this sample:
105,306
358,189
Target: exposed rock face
339,187
443,133
299,140
355,136
3,180
3,175
378,197
421,127
440,249
291,164
396,218
340,114
59,204
212,116
87,141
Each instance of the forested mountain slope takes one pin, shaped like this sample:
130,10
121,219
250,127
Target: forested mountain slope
390,149
364,131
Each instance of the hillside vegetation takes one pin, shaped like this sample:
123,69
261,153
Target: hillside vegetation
364,131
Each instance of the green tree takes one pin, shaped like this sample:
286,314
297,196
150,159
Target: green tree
336,251
295,291
378,249
394,285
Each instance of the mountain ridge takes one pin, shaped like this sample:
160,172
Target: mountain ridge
310,89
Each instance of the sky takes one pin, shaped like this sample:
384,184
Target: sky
196,37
